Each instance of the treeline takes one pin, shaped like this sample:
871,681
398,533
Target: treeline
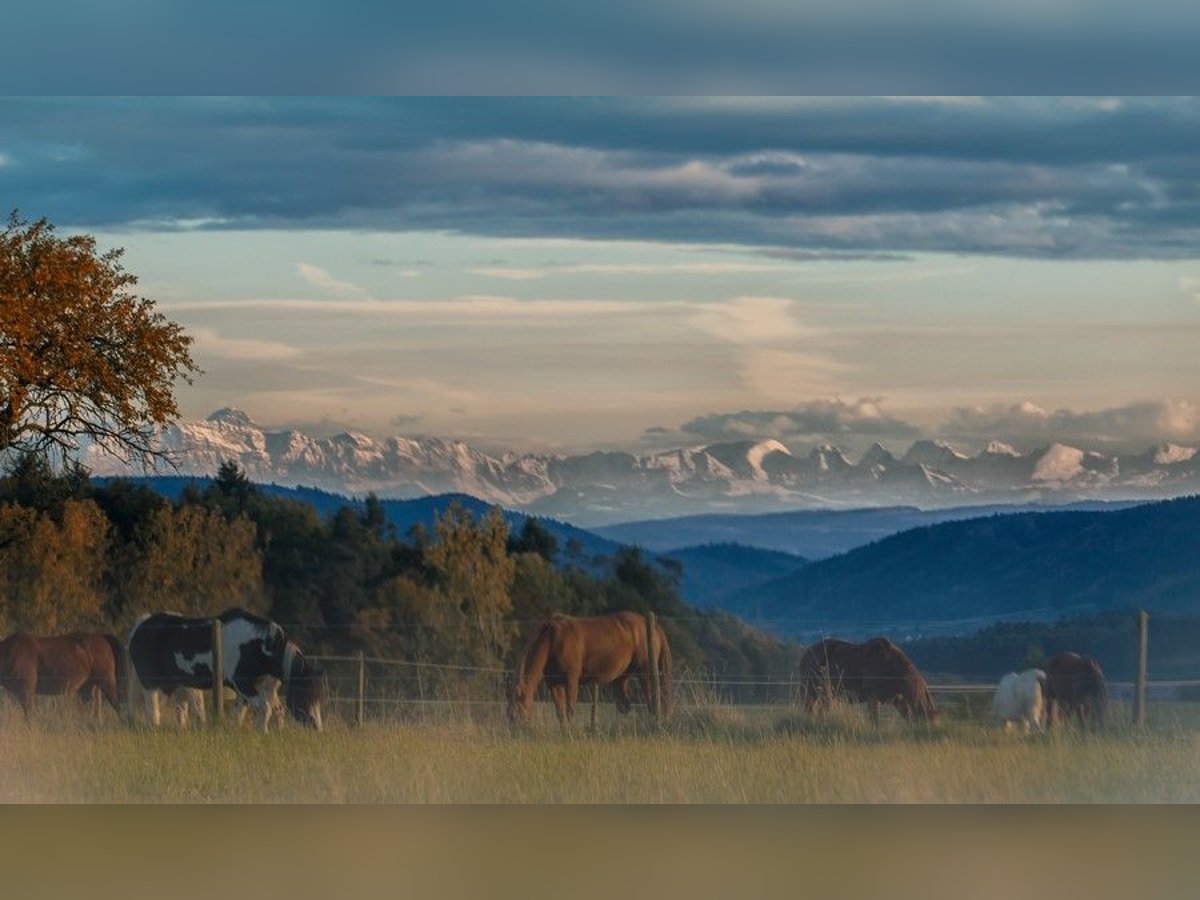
1174,647
75,553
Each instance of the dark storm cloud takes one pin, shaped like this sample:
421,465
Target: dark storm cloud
623,47
855,177
818,418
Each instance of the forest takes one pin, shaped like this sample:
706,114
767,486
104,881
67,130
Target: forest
77,553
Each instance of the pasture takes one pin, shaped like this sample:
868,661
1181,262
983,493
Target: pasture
707,754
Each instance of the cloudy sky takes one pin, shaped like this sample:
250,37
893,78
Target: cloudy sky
571,274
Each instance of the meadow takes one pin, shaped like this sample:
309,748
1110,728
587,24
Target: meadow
705,754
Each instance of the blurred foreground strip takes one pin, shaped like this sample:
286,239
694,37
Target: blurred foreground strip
586,853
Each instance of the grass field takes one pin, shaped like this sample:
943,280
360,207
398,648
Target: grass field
709,754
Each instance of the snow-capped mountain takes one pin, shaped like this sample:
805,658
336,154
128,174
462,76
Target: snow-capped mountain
740,476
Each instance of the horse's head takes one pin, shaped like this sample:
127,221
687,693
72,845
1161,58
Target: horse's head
520,701
304,689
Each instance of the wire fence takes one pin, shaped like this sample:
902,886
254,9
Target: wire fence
384,689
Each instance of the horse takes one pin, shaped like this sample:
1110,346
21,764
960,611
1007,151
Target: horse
569,651
78,663
170,652
1075,684
1020,700
874,672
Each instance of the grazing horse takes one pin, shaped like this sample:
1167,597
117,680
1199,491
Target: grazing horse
78,663
170,652
874,672
1075,684
1020,700
568,651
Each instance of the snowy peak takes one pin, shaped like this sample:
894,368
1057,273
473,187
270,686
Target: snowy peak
609,486
1058,463
999,448
230,416
877,455
935,454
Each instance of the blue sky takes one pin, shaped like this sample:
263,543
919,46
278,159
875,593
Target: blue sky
637,273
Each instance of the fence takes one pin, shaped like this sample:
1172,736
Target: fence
363,687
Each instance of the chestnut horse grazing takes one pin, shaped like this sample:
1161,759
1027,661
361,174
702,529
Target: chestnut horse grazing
1075,684
78,663
874,672
568,651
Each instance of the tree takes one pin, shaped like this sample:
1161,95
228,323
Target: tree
192,560
473,576
82,357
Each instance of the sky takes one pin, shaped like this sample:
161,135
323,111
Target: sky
573,274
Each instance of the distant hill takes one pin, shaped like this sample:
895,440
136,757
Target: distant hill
402,514
965,574
813,534
711,571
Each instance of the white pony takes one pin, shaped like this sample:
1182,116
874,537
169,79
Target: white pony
1021,700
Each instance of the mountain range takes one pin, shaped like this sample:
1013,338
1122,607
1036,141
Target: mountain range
606,487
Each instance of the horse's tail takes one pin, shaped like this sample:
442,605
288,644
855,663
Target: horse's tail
665,667
120,669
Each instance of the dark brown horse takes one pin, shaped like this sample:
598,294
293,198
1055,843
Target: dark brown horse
1075,684
569,651
79,663
875,672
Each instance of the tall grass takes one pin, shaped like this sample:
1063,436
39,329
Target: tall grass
708,752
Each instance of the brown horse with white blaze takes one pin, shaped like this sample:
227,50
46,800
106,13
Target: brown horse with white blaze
875,672
78,663
569,651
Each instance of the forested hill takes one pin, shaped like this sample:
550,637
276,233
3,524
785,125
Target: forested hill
710,572
1037,565
402,515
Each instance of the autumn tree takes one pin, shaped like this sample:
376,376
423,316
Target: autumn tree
191,560
473,576
53,571
82,357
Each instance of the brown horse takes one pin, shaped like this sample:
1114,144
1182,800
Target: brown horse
569,651
1075,684
79,663
875,672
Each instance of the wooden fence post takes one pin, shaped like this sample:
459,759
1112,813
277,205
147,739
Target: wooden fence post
218,672
360,710
652,664
1139,688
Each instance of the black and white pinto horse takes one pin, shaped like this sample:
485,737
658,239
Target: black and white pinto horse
174,654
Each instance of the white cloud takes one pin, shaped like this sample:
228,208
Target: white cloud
210,342
780,357
1190,286
318,277
1133,424
510,274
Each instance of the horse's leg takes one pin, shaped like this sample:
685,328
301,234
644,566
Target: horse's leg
107,688
621,695
873,706
572,697
153,709
558,693
196,698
